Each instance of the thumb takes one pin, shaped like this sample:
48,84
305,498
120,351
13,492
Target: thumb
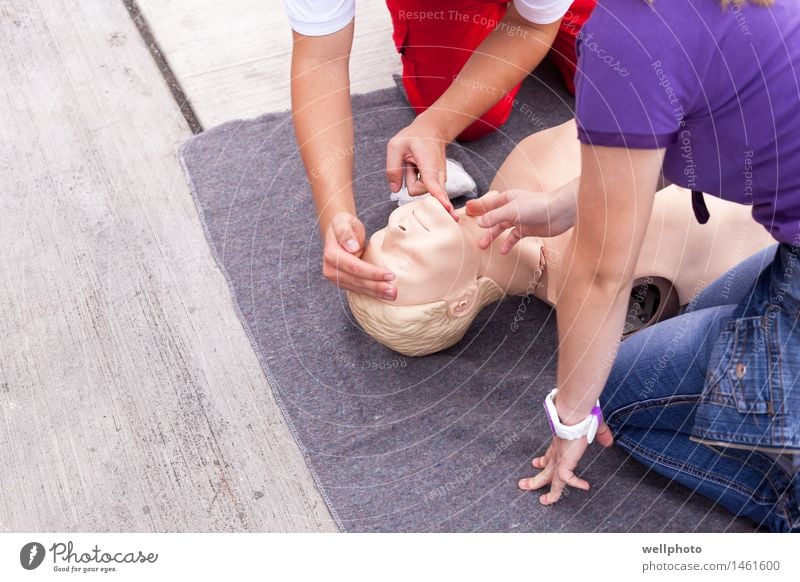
604,437
349,232
394,164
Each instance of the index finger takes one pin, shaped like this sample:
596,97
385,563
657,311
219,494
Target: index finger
359,268
436,189
489,201
539,480
394,166
442,197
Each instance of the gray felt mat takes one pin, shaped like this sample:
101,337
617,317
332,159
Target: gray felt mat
400,444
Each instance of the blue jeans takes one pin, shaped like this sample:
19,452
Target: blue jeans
698,399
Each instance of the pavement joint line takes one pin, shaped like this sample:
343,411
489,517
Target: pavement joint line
166,71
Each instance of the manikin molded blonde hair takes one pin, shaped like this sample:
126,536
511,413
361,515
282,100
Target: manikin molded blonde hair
419,330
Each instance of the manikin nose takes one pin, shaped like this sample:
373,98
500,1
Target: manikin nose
435,207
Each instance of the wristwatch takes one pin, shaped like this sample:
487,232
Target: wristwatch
588,426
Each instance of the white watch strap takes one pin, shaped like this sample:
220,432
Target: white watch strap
587,427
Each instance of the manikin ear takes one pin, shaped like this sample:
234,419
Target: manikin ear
465,303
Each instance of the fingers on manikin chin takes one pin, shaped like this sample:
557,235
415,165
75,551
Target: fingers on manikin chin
483,205
510,241
486,240
353,267
492,199
370,288
475,208
444,199
395,178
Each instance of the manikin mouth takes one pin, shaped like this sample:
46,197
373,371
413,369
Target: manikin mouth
420,222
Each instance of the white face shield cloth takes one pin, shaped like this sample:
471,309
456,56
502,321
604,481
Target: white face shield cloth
459,183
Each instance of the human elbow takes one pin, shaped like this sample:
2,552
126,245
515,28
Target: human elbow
608,278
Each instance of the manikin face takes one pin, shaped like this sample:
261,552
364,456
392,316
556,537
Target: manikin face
428,252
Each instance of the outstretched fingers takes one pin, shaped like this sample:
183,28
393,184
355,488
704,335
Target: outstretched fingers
492,233
489,201
554,472
561,479
538,481
514,236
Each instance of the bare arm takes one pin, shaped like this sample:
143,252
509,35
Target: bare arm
615,196
615,201
323,123
502,60
323,118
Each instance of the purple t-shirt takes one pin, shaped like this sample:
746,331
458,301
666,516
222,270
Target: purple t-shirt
719,89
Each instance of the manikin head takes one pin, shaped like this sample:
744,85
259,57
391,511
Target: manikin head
440,289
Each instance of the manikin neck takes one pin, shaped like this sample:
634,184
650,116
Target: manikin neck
520,272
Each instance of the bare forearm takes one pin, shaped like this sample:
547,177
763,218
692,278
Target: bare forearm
591,315
563,206
502,60
615,200
322,116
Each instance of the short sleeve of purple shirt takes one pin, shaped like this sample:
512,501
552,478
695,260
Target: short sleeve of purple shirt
718,89
626,97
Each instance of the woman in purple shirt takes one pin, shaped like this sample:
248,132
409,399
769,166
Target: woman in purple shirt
707,98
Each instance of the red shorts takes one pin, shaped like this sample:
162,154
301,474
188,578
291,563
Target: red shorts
436,39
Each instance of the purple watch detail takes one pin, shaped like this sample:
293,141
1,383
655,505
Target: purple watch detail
549,418
597,412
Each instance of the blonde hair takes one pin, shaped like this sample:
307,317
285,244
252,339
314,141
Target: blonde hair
418,330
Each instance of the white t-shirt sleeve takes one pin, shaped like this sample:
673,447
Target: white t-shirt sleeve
542,11
319,17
